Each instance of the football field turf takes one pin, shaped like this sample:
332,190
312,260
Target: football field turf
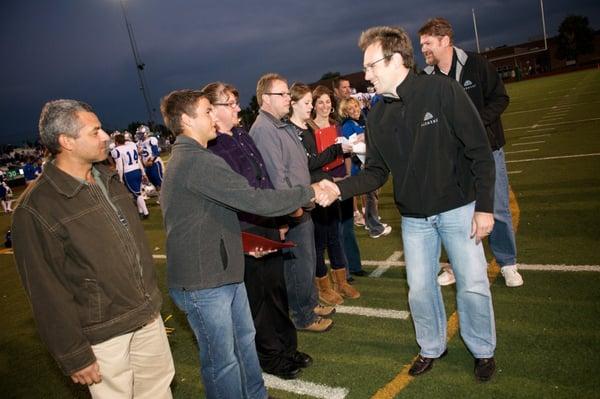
548,330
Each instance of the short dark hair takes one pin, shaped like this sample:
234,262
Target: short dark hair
119,139
392,40
177,103
60,117
335,84
437,27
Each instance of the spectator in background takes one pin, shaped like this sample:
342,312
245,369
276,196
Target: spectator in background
350,109
480,80
30,170
130,170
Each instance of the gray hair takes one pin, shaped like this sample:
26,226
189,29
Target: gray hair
60,117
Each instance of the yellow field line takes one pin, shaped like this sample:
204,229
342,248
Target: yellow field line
402,379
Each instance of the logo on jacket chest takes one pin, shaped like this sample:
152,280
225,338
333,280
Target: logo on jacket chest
429,119
468,84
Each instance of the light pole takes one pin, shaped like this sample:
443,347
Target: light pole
139,66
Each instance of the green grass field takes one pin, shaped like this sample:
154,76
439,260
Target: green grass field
548,330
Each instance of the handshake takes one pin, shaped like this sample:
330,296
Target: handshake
325,192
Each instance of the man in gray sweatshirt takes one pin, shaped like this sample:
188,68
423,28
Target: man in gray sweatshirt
205,261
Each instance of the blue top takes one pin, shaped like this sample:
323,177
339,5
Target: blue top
350,127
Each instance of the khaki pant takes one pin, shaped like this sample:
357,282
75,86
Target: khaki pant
135,365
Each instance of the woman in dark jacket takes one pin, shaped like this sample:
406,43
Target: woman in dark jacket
326,220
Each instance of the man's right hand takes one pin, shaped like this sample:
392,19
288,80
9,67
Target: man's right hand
88,376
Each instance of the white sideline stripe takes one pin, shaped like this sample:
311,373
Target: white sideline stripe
514,172
557,157
305,388
529,143
534,137
373,312
561,268
554,124
543,129
517,152
383,267
159,256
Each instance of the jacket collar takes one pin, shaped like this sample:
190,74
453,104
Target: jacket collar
405,89
459,59
185,141
279,124
68,185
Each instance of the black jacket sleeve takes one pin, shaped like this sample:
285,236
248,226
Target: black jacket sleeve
495,98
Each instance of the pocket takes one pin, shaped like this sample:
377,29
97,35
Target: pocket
94,300
223,250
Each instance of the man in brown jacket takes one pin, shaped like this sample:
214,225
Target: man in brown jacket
86,265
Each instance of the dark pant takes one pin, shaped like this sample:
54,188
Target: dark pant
327,236
276,338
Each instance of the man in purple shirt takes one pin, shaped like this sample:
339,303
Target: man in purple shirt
276,338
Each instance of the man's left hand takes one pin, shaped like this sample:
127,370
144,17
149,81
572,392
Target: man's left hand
483,223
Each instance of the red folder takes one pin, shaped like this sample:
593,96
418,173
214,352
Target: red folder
324,138
254,243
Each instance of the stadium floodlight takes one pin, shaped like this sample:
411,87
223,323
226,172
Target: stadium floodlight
139,65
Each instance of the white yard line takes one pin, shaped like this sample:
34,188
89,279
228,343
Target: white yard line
514,172
529,143
554,124
543,129
557,157
385,265
517,152
300,387
373,312
536,136
561,268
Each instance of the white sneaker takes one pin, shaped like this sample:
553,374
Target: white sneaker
387,230
446,278
512,278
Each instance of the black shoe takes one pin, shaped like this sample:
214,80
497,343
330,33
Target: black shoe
350,280
423,364
484,369
288,372
301,359
360,273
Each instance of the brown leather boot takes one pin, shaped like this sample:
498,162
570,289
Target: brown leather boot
326,294
341,285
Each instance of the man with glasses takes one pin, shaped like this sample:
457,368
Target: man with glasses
287,166
427,133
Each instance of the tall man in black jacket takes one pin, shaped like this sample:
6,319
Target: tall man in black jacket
480,80
427,133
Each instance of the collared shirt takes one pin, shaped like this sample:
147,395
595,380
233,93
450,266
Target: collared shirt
240,152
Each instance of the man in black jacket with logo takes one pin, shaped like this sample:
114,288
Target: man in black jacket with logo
484,86
427,133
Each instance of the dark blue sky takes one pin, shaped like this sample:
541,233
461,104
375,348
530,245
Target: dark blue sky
80,49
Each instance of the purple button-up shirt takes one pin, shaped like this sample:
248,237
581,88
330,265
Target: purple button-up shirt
240,152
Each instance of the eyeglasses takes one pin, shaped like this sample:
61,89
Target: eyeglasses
372,64
279,94
233,105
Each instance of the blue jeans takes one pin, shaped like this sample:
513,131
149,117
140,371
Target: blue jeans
299,272
372,221
502,238
222,323
422,239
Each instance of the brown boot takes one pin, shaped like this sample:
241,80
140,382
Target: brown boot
341,285
324,311
327,295
319,325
